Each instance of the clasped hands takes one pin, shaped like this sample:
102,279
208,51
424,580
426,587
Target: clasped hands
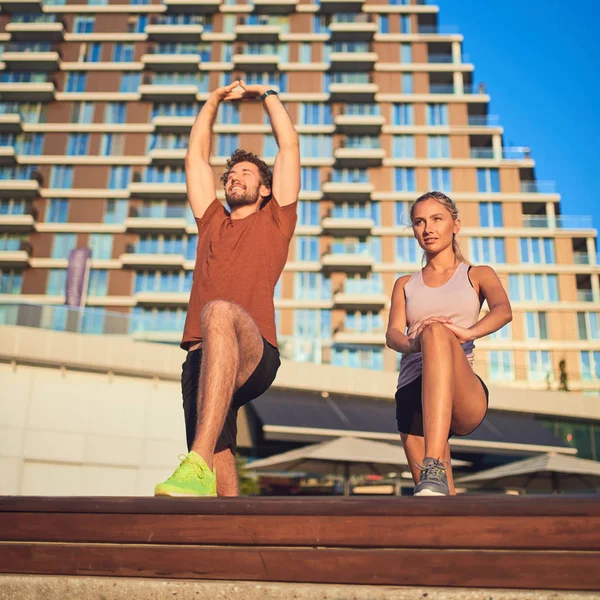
462,335
239,90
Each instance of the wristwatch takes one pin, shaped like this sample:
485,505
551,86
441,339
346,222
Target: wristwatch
268,93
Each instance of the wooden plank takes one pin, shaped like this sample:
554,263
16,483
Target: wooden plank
469,505
481,569
544,533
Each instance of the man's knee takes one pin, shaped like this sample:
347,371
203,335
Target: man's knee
217,313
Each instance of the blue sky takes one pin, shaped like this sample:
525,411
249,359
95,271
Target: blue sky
540,61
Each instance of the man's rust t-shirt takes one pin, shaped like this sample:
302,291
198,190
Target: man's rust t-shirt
240,260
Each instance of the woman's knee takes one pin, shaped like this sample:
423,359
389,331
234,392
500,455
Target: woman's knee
435,332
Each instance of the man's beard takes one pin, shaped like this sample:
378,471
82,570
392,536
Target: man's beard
238,198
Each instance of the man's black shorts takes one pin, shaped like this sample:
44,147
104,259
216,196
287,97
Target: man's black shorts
256,385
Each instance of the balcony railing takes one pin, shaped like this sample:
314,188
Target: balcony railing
538,187
484,120
440,58
558,222
441,88
438,29
585,258
363,286
586,296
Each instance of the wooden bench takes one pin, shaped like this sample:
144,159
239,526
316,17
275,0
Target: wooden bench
533,542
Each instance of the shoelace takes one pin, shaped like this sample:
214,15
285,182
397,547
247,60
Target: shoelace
185,460
438,467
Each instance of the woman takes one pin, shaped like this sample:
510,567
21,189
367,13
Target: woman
438,394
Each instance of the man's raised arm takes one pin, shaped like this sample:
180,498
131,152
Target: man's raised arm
199,176
286,171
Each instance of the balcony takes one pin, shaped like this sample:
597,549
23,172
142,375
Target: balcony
143,221
19,188
168,156
360,294
258,33
371,338
356,156
171,62
164,124
353,92
160,92
31,91
586,296
353,32
256,62
8,156
158,190
11,123
162,298
275,7
341,226
36,32
17,223
15,255
31,61
341,6
440,59
483,121
359,124
558,222
441,88
22,6
192,6
432,29
135,260
348,190
538,187
174,33
348,257
585,258
352,61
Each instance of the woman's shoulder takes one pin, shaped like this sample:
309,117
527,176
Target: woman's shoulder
480,271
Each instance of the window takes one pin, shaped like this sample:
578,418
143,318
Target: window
57,211
116,211
91,53
350,176
590,365
539,365
111,144
384,24
403,146
13,207
405,24
83,24
11,282
130,82
440,180
315,113
407,250
78,144
363,322
115,112
119,178
402,213
308,213
307,248
312,286
406,53
504,333
83,112
61,177
358,357
403,114
501,366
536,325
316,146
101,245
57,282
488,180
229,113
270,148
75,82
437,114
438,146
535,287
310,178
588,326
488,250
490,214
407,83
305,55
227,144
123,52
537,251
312,323
62,244
404,179
98,282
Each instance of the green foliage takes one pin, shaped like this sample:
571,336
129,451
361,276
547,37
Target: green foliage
248,485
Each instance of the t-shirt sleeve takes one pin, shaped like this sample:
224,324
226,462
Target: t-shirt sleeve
215,212
284,217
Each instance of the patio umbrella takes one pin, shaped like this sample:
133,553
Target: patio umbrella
342,456
544,473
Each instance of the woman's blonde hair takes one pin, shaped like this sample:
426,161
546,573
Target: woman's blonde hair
448,203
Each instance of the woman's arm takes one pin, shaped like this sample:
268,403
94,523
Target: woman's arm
500,313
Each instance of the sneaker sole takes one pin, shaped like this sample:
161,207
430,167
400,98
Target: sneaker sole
182,495
429,493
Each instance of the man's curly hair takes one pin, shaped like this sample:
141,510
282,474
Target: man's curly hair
266,175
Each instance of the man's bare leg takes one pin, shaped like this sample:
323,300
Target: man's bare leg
232,347
227,479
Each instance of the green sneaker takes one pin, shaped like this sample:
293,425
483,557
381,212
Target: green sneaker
191,478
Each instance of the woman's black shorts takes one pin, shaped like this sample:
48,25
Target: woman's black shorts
409,408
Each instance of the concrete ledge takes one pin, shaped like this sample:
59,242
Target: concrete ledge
30,587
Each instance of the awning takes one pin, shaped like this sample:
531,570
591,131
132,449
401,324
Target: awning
310,417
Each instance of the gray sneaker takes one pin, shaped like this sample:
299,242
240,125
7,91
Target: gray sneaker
433,478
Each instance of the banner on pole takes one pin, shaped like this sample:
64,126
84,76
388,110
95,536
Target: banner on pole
76,275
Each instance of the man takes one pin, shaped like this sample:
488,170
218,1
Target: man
230,327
